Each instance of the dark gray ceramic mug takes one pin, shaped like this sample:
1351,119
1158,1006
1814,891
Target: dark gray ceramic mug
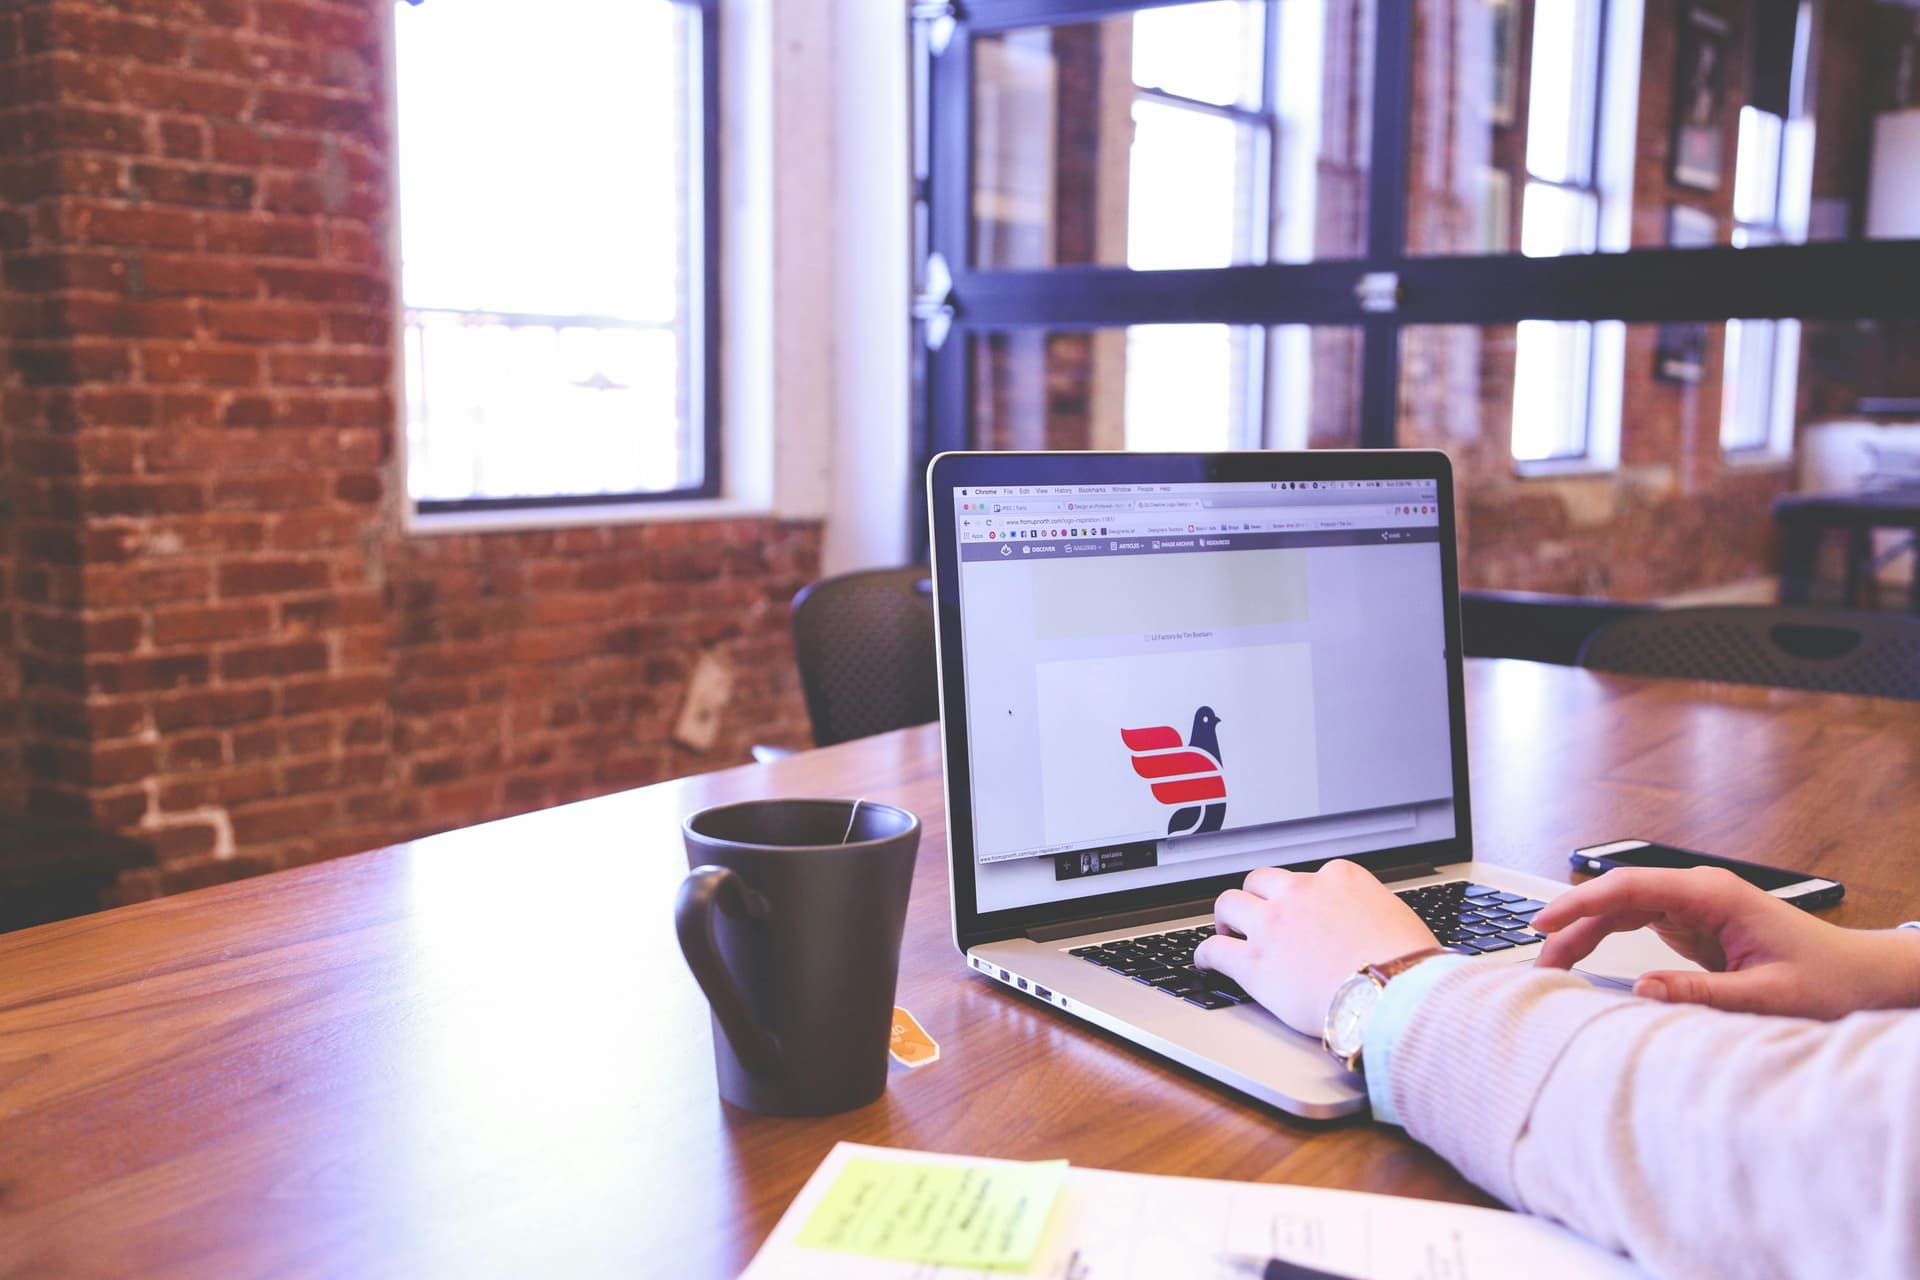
791,921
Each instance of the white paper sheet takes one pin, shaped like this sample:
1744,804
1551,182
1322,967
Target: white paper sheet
1130,1226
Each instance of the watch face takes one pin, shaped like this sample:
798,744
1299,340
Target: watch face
1347,1018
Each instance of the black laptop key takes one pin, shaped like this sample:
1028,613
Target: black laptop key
1470,945
1209,1000
1225,986
1092,953
1495,943
1526,905
1521,939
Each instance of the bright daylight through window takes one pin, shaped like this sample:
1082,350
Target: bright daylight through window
551,212
1553,382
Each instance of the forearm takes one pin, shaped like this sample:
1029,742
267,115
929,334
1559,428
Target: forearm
1703,1143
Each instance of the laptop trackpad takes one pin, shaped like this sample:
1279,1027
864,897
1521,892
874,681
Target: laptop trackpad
1622,957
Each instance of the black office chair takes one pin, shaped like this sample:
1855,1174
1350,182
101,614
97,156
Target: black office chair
864,643
1538,628
1781,645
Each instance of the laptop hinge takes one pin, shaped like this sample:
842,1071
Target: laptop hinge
1411,871
1119,920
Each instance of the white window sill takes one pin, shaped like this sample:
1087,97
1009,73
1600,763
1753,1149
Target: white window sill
573,517
1564,468
1756,459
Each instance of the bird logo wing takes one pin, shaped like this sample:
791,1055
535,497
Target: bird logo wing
1180,774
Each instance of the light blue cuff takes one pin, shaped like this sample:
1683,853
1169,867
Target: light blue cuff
1389,1022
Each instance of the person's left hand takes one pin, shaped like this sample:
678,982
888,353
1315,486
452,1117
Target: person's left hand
1291,937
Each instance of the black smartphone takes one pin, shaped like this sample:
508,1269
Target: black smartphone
1797,887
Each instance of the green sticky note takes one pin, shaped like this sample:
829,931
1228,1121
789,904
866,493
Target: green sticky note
957,1215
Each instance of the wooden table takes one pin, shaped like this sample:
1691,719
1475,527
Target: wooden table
480,1054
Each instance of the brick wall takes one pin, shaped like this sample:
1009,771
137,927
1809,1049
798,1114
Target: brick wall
227,645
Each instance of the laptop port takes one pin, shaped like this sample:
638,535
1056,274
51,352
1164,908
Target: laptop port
1021,982
1005,976
1042,992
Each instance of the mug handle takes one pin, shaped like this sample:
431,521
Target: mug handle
705,890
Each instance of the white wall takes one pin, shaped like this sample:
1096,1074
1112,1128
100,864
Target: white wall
816,295
872,195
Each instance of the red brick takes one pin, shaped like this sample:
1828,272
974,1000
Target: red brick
112,407
101,34
120,317
326,285
140,675
186,751
280,819
183,140
217,707
262,322
98,271
193,185
143,497
330,368
296,658
305,737
199,363
220,788
324,111
262,235
200,623
183,840
269,492
332,693
272,577
360,486
171,274
118,765
146,584
185,92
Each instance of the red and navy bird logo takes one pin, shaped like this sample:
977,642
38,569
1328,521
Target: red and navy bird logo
1183,773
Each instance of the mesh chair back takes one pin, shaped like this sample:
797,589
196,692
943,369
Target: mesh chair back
864,643
1792,648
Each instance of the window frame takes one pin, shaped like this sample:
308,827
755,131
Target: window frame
703,370
1854,279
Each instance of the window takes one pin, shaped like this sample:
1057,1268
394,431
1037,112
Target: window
556,205
1772,177
1554,381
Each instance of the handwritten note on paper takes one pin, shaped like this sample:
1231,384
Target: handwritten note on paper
987,1214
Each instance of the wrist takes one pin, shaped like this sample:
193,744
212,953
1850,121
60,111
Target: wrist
1902,946
1351,1007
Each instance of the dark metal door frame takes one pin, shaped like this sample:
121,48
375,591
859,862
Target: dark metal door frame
1380,293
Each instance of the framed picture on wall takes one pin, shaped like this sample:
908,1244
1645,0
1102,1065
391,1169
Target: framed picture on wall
1503,61
1680,350
1699,140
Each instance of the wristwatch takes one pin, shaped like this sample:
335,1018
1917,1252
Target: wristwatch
1353,1001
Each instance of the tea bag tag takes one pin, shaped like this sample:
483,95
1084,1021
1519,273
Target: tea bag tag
911,1046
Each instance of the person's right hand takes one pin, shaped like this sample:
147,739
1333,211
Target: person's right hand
1763,955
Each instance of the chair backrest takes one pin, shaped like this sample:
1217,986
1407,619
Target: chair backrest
864,643
1793,648
1539,628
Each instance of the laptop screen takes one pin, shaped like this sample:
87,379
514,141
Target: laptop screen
1165,682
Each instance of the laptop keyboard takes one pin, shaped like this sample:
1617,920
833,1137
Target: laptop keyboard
1164,961
1473,917
1467,917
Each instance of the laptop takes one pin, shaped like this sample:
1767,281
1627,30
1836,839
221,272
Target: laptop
1161,671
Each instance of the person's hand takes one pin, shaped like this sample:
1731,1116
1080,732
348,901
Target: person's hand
1763,955
1291,937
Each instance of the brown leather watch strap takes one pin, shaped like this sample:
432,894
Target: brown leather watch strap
1385,972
